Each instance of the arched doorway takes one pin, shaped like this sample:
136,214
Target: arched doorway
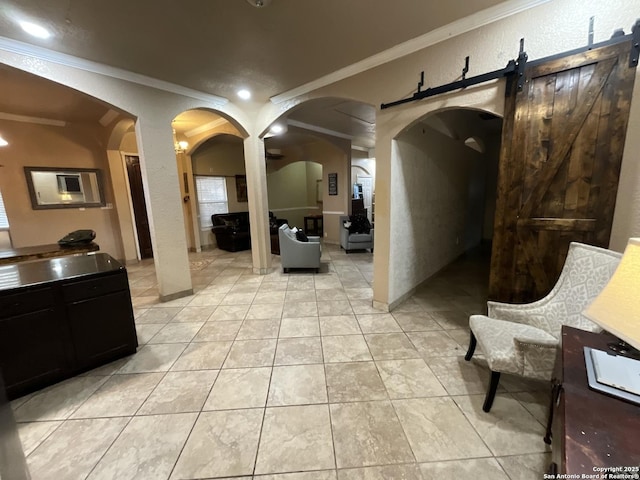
338,134
446,189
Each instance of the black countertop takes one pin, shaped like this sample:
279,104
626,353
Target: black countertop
55,269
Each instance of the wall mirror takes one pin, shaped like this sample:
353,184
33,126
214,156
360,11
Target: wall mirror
64,187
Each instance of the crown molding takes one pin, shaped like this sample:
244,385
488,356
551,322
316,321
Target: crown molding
203,128
40,53
314,128
35,120
453,29
326,131
359,148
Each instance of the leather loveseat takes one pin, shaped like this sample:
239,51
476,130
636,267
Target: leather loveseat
232,231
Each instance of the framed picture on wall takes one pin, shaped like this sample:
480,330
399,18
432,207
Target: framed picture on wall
333,183
241,188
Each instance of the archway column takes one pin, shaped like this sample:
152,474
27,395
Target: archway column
256,170
164,207
382,261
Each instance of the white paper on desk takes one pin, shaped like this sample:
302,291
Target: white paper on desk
616,371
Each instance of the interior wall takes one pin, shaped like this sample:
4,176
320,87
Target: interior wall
443,183
292,191
129,143
288,191
72,146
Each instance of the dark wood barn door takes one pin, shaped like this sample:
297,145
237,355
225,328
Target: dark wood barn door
139,206
562,146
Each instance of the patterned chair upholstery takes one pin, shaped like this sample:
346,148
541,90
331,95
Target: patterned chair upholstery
523,339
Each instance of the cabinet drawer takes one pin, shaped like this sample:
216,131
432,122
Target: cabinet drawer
94,288
25,302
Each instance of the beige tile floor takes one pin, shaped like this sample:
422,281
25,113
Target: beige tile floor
291,377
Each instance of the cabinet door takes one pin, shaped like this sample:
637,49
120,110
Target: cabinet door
32,351
102,329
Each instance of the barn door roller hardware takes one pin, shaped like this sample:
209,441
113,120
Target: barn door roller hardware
513,67
516,67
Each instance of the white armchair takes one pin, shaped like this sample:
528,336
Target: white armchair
523,339
297,254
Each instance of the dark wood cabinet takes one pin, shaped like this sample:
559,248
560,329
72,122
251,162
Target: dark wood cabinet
99,330
32,350
60,317
589,429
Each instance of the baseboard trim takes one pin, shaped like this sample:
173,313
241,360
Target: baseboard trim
174,296
263,271
411,291
381,306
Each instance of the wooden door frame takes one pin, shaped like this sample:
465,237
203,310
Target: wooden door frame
123,156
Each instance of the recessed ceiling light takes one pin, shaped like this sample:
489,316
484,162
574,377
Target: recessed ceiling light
244,94
259,3
3,142
35,30
276,129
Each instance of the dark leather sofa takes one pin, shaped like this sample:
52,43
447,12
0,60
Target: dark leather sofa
232,230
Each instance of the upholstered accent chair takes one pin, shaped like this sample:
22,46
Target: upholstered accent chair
297,254
354,241
523,339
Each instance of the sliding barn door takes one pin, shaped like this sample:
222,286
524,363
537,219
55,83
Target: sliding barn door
562,147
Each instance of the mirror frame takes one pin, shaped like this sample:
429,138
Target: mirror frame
32,191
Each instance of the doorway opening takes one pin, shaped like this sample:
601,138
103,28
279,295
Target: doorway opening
139,206
448,161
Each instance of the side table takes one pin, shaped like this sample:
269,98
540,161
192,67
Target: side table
316,227
589,430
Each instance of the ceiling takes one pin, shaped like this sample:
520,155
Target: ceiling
219,46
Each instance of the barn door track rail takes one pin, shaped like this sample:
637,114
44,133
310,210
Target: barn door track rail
517,66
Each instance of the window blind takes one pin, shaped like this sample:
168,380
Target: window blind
4,221
212,198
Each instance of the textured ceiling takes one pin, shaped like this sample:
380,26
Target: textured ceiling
28,95
218,46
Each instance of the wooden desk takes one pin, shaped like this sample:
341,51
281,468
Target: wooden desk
316,227
39,252
590,429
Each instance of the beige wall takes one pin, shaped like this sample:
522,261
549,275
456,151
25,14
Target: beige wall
292,191
72,146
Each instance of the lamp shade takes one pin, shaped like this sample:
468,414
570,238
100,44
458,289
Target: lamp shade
617,308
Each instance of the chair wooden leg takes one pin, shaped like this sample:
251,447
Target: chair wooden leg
472,347
491,393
